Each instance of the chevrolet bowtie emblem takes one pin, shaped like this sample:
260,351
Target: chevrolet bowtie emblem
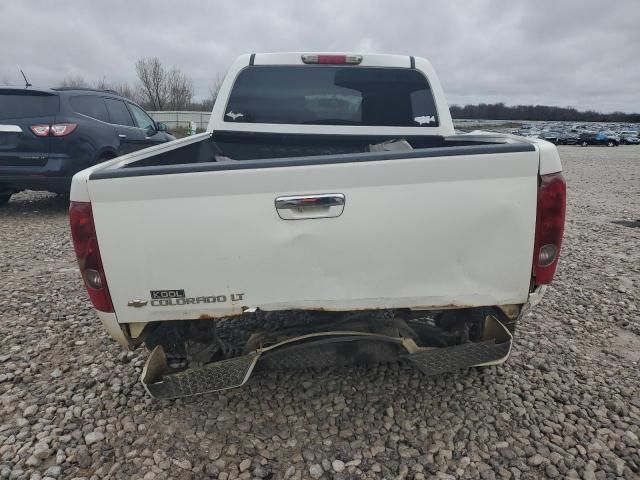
137,303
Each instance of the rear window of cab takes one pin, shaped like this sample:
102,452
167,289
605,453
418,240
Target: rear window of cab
332,95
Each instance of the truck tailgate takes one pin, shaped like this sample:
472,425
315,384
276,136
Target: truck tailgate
432,231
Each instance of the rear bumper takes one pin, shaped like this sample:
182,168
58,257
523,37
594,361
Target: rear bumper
324,349
110,323
534,299
34,182
55,175
320,351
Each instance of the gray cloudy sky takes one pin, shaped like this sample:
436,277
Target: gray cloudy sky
584,54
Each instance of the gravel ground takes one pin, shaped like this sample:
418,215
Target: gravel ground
566,405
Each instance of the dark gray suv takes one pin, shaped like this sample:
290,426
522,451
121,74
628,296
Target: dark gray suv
47,135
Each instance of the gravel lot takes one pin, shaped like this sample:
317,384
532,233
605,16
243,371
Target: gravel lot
566,405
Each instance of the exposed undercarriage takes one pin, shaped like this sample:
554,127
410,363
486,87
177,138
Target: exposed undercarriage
198,356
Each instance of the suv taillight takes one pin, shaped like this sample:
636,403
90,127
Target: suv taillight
552,194
62,129
85,243
41,130
55,130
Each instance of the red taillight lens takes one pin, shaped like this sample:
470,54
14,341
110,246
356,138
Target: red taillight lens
62,129
85,243
552,194
41,130
332,59
57,129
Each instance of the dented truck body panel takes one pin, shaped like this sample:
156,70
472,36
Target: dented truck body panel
445,231
331,244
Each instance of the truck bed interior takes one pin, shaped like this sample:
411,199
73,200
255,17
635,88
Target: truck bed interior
224,146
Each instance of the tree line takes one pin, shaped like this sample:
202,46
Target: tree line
162,88
500,111
158,87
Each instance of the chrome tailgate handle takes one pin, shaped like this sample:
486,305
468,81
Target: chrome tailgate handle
300,207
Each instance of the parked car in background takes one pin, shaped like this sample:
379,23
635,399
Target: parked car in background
525,132
599,138
47,135
626,139
567,138
549,136
628,133
559,137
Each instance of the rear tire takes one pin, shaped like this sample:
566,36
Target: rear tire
4,198
584,144
611,144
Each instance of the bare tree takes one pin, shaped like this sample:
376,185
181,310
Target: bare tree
179,90
121,88
153,80
207,104
74,82
158,88
102,84
126,91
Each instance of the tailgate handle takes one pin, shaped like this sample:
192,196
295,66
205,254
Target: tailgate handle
300,207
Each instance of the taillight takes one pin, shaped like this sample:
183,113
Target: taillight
56,130
333,59
41,130
552,193
85,243
62,129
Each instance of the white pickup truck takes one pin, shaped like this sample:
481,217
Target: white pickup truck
329,216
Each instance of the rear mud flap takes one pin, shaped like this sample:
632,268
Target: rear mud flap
323,349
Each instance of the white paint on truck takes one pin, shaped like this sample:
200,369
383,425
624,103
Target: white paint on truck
421,232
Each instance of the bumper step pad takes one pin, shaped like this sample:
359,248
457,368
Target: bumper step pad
212,377
322,350
448,359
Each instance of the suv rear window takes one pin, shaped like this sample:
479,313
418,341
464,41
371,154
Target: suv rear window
327,95
25,104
